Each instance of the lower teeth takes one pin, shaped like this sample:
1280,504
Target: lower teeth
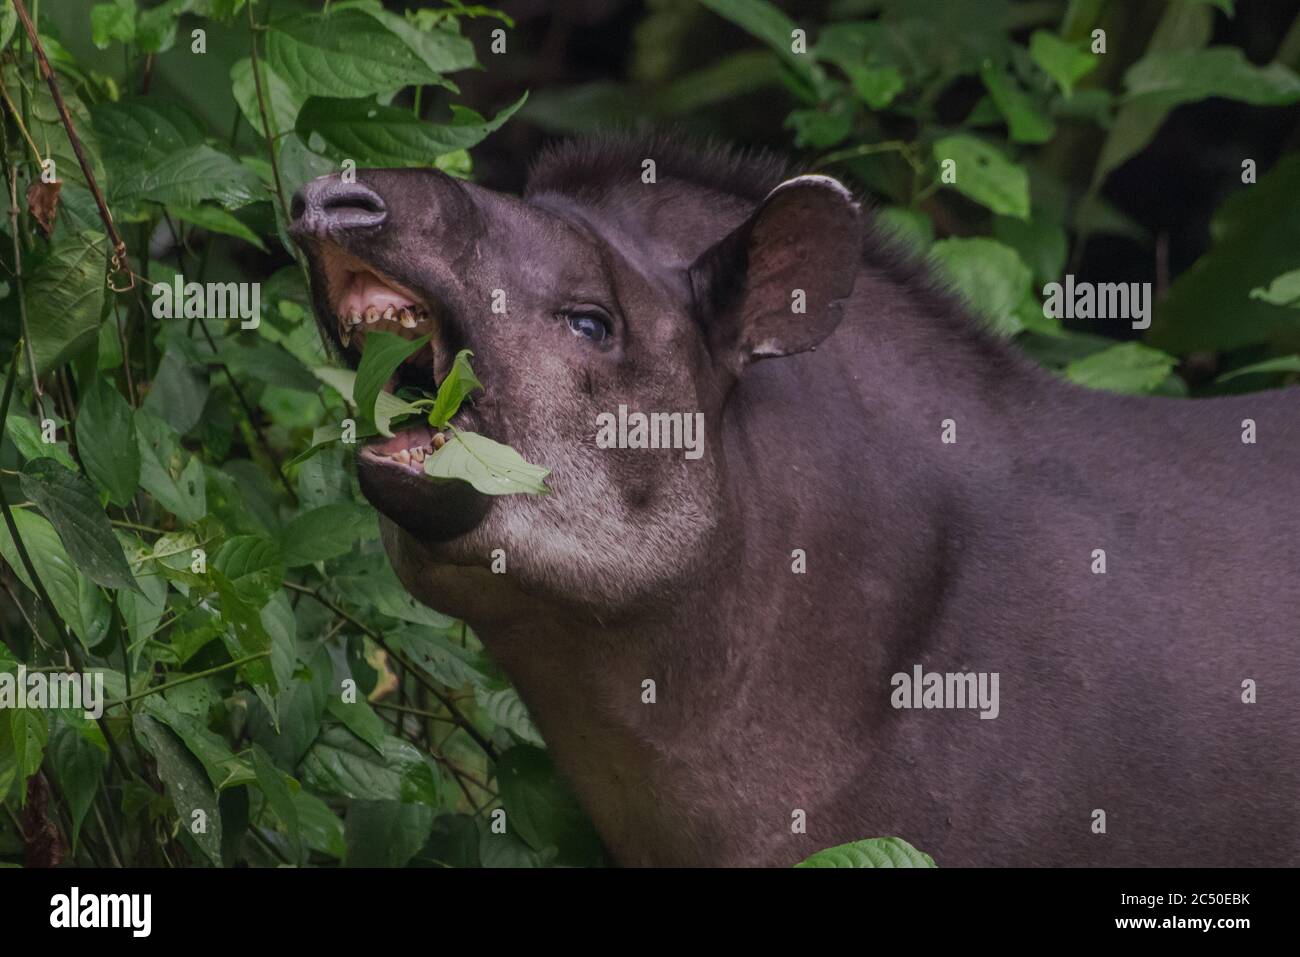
421,452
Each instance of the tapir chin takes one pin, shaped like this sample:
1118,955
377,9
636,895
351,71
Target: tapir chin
908,584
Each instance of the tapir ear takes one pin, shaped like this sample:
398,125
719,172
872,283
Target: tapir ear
775,285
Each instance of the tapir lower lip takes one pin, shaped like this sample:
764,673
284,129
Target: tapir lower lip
432,511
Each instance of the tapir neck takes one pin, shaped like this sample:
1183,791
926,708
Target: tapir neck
739,703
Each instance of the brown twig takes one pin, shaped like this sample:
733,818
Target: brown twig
461,721
47,72
265,114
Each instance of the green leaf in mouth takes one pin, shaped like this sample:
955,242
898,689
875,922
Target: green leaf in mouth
384,352
460,382
492,468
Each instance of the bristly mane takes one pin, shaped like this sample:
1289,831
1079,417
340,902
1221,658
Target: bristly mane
588,168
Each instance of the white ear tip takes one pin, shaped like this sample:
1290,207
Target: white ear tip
818,180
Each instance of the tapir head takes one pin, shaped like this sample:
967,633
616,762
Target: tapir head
644,276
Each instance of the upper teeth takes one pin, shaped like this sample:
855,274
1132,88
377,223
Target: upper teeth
406,317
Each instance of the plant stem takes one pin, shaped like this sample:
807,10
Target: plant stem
457,717
168,685
267,129
11,171
119,247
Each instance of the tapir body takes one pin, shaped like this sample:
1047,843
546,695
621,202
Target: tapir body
710,648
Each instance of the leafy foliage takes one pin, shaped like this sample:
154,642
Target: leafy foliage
184,521
274,695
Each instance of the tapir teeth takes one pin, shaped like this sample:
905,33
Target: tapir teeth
372,315
406,319
390,314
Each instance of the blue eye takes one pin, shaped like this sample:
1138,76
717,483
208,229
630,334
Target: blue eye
588,326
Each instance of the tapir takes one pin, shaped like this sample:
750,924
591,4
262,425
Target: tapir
912,584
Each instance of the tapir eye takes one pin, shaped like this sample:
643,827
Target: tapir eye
588,323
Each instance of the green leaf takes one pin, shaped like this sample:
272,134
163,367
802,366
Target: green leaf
1256,234
71,505
249,635
1282,291
360,719
138,130
985,175
216,220
507,710
440,50
78,767
65,296
385,833
384,352
342,764
266,362
766,22
387,136
223,768
322,830
489,466
112,21
8,23
279,796
326,532
27,439
876,852
1066,63
77,602
1041,243
990,276
186,785
253,565
173,478
346,54
107,441
1183,26
453,391
282,101
178,393
377,587
445,661
731,76
155,28
1027,121
298,708
29,731
142,610
187,178
541,809
823,126
854,50
1128,367
1172,77
1268,366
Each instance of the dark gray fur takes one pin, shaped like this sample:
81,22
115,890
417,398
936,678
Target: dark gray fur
1119,692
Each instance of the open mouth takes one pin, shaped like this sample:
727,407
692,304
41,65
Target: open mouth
407,449
356,299
362,300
